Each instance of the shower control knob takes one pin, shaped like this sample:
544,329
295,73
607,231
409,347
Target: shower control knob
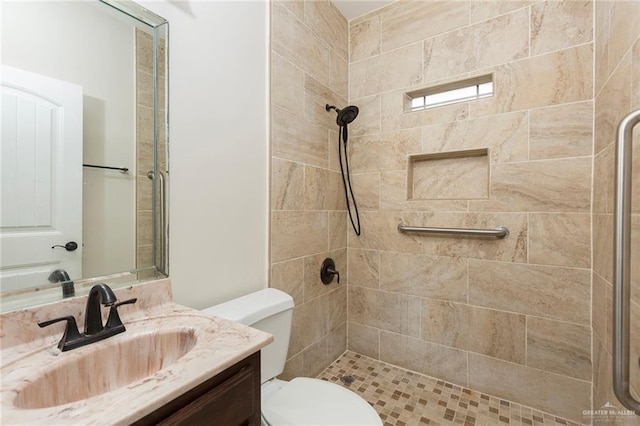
70,246
328,270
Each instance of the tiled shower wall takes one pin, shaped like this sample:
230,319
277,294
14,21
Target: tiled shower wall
507,317
309,50
617,89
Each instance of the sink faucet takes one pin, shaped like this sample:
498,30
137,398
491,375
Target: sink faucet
61,276
99,293
94,330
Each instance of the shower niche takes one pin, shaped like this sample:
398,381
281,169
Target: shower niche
453,175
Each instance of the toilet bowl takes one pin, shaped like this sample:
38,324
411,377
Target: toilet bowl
302,401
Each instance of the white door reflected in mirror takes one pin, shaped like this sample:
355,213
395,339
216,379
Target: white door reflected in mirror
41,158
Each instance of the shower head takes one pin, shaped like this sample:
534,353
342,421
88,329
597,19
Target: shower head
345,115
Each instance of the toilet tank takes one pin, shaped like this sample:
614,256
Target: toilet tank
269,310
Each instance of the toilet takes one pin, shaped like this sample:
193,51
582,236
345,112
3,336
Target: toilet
302,401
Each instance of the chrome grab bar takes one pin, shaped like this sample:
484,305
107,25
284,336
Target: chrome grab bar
499,232
622,262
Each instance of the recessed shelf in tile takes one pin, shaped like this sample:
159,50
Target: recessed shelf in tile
455,175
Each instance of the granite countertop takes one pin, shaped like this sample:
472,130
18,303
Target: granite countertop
211,344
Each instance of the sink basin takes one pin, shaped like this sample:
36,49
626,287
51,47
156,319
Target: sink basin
110,365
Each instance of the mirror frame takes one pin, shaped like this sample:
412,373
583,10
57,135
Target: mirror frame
158,28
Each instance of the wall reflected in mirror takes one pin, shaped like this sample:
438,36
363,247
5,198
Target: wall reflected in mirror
83,146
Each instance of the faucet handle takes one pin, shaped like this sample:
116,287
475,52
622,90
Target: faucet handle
114,318
71,332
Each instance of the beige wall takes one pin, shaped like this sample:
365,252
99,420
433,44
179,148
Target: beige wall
309,68
508,317
617,88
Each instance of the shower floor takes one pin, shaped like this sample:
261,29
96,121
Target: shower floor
402,397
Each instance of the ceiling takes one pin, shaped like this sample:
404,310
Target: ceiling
353,8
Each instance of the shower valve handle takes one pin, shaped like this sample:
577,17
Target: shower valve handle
328,270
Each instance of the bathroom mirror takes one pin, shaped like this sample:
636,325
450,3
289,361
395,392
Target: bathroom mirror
84,173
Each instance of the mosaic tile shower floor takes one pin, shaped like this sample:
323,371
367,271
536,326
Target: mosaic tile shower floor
402,397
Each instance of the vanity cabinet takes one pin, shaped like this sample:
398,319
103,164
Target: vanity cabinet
231,398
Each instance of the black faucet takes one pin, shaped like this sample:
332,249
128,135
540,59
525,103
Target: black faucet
94,330
61,276
99,293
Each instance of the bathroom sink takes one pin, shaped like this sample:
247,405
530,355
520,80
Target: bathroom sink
104,367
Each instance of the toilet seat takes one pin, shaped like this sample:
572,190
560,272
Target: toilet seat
313,402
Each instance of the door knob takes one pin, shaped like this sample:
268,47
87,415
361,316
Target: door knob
70,246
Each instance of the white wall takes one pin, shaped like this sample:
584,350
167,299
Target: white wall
83,43
218,148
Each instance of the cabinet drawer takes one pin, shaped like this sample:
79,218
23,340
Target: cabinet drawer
231,398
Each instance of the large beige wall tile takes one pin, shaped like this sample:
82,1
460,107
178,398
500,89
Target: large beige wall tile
602,20
393,196
366,188
374,75
435,360
603,245
634,350
510,249
540,81
561,131
558,25
329,24
403,23
603,183
550,185
562,239
483,45
599,308
322,189
368,121
635,73
425,276
387,311
313,286
393,116
363,340
323,352
624,29
612,104
550,392
294,6
337,305
337,230
289,277
559,347
287,84
286,228
380,232
316,97
364,268
551,292
338,74
485,9
495,333
287,185
310,323
383,152
602,376
504,134
297,139
293,40
365,39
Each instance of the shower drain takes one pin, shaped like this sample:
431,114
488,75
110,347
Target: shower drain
347,379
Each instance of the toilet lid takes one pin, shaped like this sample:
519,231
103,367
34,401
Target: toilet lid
313,402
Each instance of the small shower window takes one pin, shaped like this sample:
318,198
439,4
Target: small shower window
460,91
